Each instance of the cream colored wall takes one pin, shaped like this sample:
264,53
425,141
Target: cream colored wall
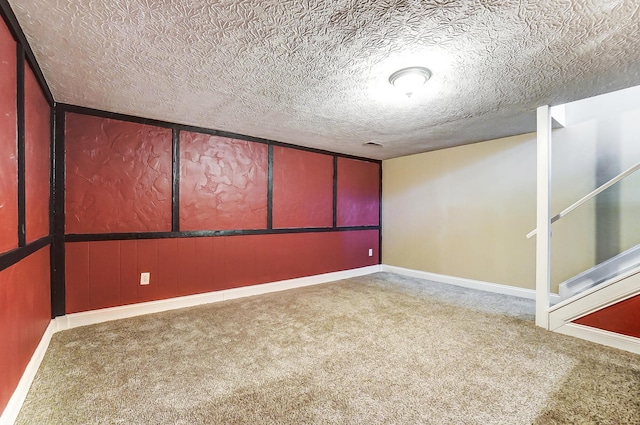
465,211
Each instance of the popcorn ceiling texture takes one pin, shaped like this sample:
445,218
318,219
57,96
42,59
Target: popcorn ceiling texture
314,72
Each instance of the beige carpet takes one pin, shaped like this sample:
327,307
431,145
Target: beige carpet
380,349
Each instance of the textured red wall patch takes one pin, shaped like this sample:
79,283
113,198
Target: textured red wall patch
119,176
358,193
37,157
223,183
302,188
8,142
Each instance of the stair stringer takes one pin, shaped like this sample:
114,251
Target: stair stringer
610,292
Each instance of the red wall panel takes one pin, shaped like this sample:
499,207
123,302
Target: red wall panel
223,183
358,193
8,142
77,276
25,313
103,274
37,157
302,188
622,318
119,176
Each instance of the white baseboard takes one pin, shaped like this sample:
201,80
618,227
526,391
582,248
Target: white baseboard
74,320
468,283
10,413
600,336
123,312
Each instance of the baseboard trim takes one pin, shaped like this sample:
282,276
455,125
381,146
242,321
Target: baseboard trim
11,411
74,320
600,336
468,283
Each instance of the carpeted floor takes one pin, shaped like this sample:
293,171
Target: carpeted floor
379,349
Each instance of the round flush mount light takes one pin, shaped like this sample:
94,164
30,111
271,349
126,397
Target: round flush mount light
410,79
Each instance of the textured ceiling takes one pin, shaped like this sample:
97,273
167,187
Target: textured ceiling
315,72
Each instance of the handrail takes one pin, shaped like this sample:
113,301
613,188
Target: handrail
589,196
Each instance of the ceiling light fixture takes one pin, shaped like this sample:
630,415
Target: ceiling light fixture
410,79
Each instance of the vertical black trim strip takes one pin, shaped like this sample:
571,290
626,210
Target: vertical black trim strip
52,170
20,94
175,194
58,307
270,188
380,219
335,191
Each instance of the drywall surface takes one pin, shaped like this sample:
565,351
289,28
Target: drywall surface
464,211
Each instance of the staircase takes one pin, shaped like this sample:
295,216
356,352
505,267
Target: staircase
615,266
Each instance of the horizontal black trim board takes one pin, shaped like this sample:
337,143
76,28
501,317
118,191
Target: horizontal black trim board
183,127
96,237
10,258
15,29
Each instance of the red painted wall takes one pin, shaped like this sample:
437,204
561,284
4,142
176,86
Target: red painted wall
106,274
302,188
8,142
223,186
25,313
358,193
223,183
119,176
37,157
622,318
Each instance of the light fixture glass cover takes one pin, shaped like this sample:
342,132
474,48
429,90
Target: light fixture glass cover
410,79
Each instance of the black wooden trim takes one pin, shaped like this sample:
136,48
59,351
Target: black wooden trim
195,129
94,237
113,115
380,219
16,31
57,217
14,256
22,236
52,169
175,170
270,188
335,191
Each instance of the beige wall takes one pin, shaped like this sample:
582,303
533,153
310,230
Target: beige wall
465,211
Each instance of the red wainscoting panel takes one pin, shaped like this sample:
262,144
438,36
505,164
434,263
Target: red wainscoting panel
8,142
223,183
302,189
37,157
77,276
107,273
358,193
25,312
622,318
119,176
